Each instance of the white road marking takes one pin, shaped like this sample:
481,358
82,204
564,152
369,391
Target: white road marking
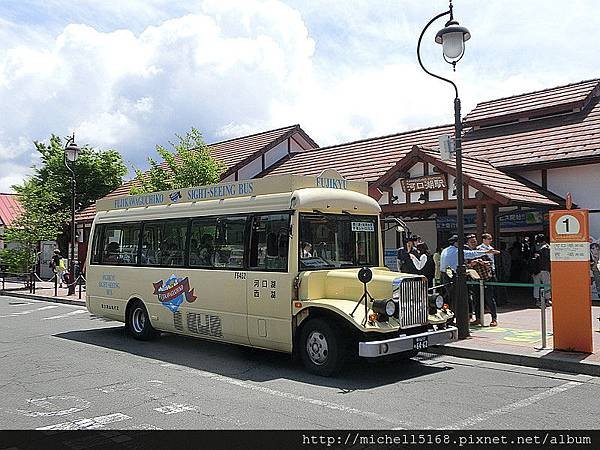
87,424
156,381
470,421
48,403
29,311
175,408
62,316
288,395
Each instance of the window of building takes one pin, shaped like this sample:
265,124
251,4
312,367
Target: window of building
269,242
120,244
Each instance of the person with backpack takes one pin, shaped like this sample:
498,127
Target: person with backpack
539,267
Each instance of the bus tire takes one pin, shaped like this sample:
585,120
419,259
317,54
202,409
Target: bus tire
321,348
138,322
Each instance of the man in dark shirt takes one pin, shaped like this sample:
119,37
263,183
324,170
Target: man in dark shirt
405,263
543,277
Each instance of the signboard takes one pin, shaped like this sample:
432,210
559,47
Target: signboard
513,222
390,256
329,179
363,226
570,279
424,184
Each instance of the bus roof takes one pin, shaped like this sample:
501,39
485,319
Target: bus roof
328,179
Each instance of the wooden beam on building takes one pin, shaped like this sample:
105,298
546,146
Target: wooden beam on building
490,219
448,204
479,221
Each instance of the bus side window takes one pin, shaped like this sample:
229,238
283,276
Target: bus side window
269,242
96,247
121,244
229,242
175,233
151,239
202,243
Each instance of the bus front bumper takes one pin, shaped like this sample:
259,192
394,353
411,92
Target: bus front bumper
419,342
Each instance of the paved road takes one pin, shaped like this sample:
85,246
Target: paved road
60,368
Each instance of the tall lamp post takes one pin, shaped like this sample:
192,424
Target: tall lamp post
452,38
71,153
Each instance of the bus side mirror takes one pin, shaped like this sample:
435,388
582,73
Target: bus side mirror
365,275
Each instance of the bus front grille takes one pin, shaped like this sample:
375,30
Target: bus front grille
413,302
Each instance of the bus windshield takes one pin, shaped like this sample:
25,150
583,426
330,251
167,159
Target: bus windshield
330,241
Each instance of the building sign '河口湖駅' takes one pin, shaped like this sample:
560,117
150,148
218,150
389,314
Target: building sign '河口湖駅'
426,183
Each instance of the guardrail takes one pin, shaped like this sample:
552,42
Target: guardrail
30,281
542,290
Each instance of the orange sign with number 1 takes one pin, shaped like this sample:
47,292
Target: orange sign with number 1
570,275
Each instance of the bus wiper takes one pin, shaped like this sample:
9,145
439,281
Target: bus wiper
348,213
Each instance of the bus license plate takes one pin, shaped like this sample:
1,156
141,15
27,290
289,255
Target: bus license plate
420,343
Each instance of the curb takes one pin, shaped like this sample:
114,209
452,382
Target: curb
554,364
43,298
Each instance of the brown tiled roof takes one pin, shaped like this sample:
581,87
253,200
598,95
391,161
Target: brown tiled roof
365,160
234,153
533,104
572,138
481,175
10,208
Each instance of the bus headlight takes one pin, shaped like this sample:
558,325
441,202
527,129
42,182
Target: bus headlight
436,301
387,307
439,302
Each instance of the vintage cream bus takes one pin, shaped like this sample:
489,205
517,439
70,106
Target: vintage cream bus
271,263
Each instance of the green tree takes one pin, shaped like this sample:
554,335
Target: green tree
35,224
190,163
46,197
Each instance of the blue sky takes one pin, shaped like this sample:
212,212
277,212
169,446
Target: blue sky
130,74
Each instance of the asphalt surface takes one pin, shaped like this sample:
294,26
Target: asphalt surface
61,368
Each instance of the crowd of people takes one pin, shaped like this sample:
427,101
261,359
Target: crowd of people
483,262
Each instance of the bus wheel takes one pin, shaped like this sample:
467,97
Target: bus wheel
138,322
320,348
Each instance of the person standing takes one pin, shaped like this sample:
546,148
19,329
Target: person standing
594,260
437,261
541,260
404,260
57,264
503,273
449,263
424,262
489,291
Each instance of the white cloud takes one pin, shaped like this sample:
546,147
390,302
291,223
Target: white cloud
130,74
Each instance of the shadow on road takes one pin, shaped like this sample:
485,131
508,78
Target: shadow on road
244,363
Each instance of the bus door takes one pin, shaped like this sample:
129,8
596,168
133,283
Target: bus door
217,275
269,283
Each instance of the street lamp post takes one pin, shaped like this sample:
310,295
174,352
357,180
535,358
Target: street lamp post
452,38
71,153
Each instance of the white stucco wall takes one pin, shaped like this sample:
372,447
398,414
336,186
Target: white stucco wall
251,169
583,182
229,178
294,147
276,153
